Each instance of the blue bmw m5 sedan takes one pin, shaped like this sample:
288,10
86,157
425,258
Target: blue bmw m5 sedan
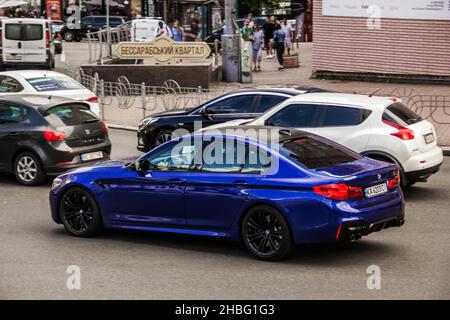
297,188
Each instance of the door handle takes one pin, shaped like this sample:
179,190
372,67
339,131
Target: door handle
240,183
175,181
19,45
13,134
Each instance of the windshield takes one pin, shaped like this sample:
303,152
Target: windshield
49,83
315,154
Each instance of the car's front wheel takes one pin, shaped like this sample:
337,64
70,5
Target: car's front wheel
79,213
28,169
162,137
266,234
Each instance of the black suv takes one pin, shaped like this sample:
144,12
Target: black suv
242,104
42,136
91,24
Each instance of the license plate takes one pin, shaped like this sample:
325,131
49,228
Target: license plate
377,190
429,138
91,156
13,57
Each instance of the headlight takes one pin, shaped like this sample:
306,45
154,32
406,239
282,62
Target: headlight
56,183
147,121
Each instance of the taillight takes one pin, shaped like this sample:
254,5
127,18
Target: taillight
52,135
402,133
394,182
105,128
339,191
92,99
47,38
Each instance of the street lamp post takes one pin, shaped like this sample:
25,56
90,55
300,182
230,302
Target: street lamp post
231,45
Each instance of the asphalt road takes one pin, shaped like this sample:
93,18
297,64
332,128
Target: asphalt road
35,254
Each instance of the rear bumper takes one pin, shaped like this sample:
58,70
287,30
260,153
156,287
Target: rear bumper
354,230
59,160
423,174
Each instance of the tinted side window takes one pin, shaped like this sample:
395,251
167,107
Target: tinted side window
174,157
343,116
10,114
238,104
87,20
221,157
267,102
314,154
115,22
8,84
296,115
256,160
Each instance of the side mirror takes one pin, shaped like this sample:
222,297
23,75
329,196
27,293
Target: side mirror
205,112
136,166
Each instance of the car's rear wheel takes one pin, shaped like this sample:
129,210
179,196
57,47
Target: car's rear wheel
28,169
69,36
162,137
266,234
79,213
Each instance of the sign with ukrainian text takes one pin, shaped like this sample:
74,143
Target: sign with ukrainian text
163,50
399,9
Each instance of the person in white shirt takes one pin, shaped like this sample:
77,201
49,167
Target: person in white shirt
287,28
163,31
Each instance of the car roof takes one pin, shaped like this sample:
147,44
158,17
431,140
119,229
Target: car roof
289,91
346,99
38,101
28,74
251,131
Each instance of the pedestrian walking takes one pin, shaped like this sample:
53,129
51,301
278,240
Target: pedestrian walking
178,34
269,29
257,44
278,42
287,28
192,35
163,31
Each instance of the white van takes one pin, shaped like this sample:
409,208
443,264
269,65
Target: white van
27,42
144,29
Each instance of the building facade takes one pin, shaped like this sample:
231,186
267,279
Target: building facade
409,43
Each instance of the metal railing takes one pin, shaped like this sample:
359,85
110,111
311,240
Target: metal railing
101,43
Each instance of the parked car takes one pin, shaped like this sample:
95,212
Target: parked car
46,83
89,24
248,103
301,189
41,136
27,42
381,128
144,29
57,26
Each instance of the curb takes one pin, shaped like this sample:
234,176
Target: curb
122,127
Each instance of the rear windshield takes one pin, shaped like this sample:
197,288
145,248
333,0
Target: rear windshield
48,83
314,154
23,32
401,114
70,115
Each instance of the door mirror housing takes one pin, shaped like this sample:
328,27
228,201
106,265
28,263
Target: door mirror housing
137,166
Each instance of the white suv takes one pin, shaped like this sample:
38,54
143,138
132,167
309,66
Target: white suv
381,128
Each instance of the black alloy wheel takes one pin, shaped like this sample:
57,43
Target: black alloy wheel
162,137
266,234
79,213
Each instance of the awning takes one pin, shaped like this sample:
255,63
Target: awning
12,3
